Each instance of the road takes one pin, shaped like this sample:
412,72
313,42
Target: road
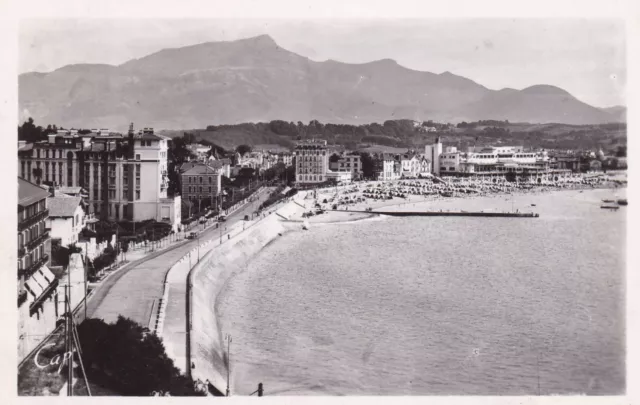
134,290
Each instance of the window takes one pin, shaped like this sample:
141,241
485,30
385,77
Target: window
137,194
137,156
201,181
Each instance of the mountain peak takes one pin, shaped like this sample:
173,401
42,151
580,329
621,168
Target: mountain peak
264,39
385,61
545,89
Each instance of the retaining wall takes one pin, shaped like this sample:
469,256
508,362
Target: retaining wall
206,348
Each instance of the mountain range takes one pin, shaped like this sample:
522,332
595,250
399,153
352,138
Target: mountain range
255,79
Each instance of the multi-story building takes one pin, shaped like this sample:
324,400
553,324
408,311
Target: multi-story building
36,284
312,161
125,177
533,166
66,218
433,152
285,158
202,182
348,162
410,165
387,166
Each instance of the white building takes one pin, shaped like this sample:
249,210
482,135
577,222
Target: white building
410,165
312,161
387,167
348,162
433,152
66,218
340,177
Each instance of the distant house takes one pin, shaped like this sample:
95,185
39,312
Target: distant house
202,183
66,218
387,167
410,165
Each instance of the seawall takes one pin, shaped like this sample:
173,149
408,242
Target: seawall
206,345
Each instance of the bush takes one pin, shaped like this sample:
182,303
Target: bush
105,259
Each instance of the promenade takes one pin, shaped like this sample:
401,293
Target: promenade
135,290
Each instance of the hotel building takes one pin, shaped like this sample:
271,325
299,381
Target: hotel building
125,178
312,162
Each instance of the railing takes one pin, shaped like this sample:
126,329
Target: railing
29,270
37,241
32,220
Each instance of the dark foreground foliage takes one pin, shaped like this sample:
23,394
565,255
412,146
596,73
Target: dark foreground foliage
124,358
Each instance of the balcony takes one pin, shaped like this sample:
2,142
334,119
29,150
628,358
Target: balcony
29,270
37,241
32,220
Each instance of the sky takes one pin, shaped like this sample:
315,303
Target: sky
586,57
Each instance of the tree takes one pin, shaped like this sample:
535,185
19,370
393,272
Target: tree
130,361
37,173
368,165
187,207
621,151
30,132
243,149
334,158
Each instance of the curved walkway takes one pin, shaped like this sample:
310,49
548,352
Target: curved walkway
134,291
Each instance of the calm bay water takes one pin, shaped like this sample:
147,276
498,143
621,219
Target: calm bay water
443,306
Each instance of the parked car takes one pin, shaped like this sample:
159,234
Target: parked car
222,218
192,235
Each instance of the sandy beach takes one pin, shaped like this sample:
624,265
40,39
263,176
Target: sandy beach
339,203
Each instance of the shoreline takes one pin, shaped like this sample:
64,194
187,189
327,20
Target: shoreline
396,203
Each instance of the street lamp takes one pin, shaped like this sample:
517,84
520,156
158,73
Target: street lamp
228,362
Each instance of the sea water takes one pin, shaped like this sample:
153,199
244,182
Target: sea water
438,305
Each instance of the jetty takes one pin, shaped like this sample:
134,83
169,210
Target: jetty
453,214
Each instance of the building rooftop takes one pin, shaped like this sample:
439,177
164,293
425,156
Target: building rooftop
63,206
201,169
29,193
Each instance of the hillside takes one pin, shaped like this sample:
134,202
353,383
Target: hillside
254,79
402,134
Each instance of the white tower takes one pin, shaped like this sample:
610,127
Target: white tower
433,152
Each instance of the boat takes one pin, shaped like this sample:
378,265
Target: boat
623,201
610,207
305,225
533,205
608,201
